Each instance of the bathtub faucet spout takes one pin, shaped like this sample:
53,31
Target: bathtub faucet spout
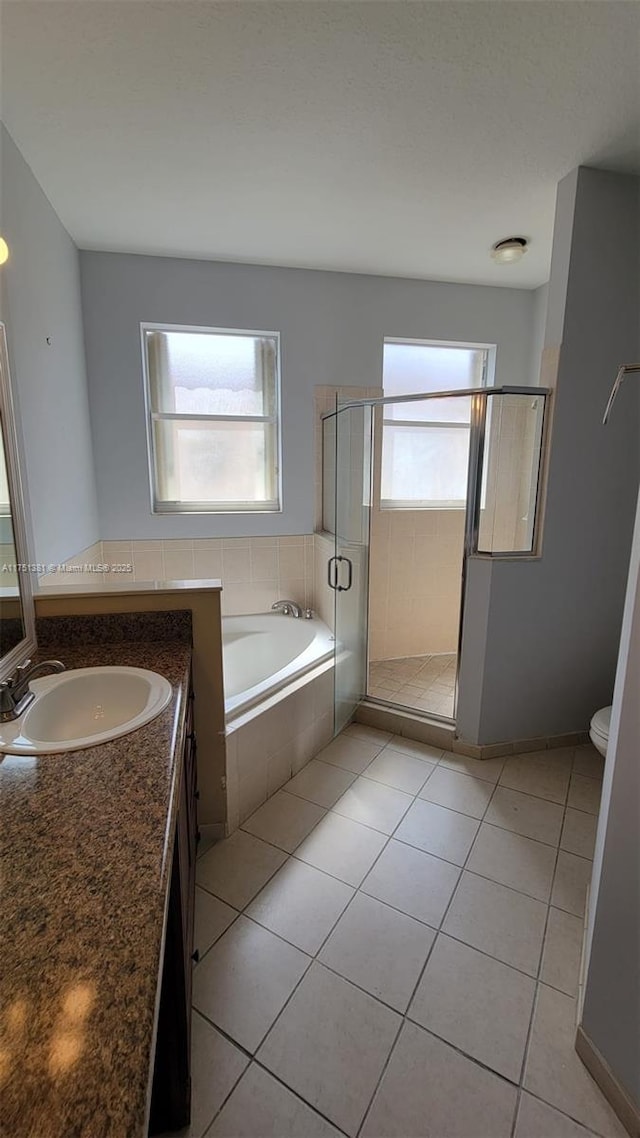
288,608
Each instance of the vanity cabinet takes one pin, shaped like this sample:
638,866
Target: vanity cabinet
171,1093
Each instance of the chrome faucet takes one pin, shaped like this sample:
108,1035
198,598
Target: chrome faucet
288,608
15,694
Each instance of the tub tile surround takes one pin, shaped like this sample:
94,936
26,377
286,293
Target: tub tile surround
268,746
254,572
9,575
379,989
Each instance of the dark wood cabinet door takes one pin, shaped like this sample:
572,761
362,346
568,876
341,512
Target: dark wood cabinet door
171,1095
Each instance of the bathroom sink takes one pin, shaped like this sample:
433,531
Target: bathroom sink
83,707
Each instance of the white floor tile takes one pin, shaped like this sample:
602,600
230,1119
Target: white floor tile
544,774
350,753
478,1004
497,920
379,949
369,734
404,772
488,769
301,904
330,1045
419,750
587,761
245,979
261,1106
584,793
513,860
562,951
523,814
211,918
579,833
414,882
457,791
328,1034
554,1071
343,848
573,875
373,804
237,868
320,783
284,820
431,1091
438,831
216,1065
538,1120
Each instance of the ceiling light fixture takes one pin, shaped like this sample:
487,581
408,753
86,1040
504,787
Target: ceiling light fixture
4,251
510,250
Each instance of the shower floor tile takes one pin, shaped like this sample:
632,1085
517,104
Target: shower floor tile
426,683
376,986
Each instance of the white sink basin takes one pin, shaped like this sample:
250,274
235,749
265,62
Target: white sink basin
83,707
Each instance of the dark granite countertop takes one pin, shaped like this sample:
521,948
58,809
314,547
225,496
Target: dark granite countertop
87,839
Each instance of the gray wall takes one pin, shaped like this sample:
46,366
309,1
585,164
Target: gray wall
611,1009
332,327
553,624
40,299
539,322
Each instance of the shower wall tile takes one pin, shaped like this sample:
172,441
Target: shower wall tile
415,582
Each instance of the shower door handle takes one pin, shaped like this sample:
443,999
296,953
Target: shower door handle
345,588
332,573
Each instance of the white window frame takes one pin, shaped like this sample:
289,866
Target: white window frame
488,372
163,506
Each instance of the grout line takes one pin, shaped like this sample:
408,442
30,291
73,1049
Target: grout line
525,1053
382,1075
252,1059
390,837
460,868
526,837
588,1131
221,1031
297,1095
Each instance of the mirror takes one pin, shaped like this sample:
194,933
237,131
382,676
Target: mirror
17,624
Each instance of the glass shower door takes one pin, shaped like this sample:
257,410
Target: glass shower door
349,567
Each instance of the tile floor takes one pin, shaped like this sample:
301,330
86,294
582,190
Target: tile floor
425,683
390,949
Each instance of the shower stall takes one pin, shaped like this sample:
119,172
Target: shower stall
486,459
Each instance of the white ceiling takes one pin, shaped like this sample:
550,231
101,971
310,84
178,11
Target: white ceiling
399,138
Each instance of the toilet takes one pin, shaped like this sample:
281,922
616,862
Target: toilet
599,729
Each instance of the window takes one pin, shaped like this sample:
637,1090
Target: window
213,419
425,445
